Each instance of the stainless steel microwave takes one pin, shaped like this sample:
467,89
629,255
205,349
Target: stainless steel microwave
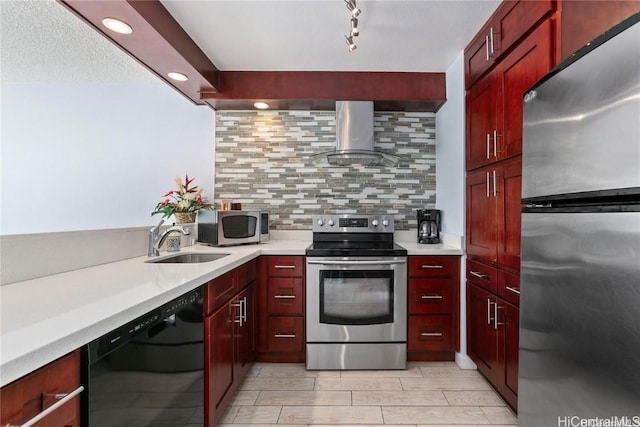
226,228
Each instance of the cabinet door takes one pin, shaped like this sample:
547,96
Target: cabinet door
508,334
477,57
481,123
481,215
509,213
481,333
517,72
245,344
514,18
219,333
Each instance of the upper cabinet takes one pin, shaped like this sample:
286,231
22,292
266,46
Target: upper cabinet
494,104
509,23
582,21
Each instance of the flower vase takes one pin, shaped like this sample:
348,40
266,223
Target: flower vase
185,217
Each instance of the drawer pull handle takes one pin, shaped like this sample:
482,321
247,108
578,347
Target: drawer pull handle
432,267
431,296
62,399
290,267
284,336
478,275
284,296
431,334
514,290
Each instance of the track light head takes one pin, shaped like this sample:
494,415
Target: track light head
351,45
355,31
351,5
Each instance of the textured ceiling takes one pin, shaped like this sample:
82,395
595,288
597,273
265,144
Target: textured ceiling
41,41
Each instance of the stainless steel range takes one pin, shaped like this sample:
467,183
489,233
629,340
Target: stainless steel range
356,294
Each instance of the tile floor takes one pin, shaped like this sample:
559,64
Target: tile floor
426,394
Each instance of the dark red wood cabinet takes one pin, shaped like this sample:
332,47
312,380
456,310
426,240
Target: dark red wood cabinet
493,213
433,307
518,50
229,336
508,24
281,308
27,397
494,104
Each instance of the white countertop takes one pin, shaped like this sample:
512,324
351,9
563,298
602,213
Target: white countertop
45,318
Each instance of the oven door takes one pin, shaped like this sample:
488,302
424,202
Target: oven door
356,299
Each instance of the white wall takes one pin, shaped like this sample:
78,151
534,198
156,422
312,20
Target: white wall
450,178
90,139
450,151
91,156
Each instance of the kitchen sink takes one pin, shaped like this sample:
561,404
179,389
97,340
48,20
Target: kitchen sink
187,258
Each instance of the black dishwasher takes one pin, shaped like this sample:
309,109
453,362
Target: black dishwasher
148,372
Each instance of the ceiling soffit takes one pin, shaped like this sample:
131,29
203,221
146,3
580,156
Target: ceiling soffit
162,45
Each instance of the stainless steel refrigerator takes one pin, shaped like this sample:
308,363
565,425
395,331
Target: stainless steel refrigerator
580,303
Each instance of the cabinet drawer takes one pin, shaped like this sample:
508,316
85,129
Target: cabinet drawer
286,334
482,275
430,333
219,291
285,295
27,397
285,266
509,287
433,266
430,296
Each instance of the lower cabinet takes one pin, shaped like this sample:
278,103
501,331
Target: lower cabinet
229,334
493,327
281,308
27,397
433,301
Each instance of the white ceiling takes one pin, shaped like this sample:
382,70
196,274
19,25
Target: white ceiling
290,35
42,41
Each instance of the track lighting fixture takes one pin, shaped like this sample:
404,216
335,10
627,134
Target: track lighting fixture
351,5
355,31
350,43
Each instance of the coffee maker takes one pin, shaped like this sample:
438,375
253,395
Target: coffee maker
428,226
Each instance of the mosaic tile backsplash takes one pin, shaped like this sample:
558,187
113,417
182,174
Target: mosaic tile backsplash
262,161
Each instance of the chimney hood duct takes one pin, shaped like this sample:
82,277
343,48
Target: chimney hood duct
354,138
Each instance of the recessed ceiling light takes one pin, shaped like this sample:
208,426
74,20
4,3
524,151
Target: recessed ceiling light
117,25
177,76
261,105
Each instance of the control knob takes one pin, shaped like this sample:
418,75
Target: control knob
385,222
374,222
330,223
320,222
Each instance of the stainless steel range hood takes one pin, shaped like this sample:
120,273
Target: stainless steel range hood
354,138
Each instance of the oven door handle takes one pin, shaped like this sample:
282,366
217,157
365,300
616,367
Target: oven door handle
356,263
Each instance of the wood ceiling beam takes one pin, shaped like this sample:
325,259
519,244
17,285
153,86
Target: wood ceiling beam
160,44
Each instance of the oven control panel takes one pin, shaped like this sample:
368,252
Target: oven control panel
353,223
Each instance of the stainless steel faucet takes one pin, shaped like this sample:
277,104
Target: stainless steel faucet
156,239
